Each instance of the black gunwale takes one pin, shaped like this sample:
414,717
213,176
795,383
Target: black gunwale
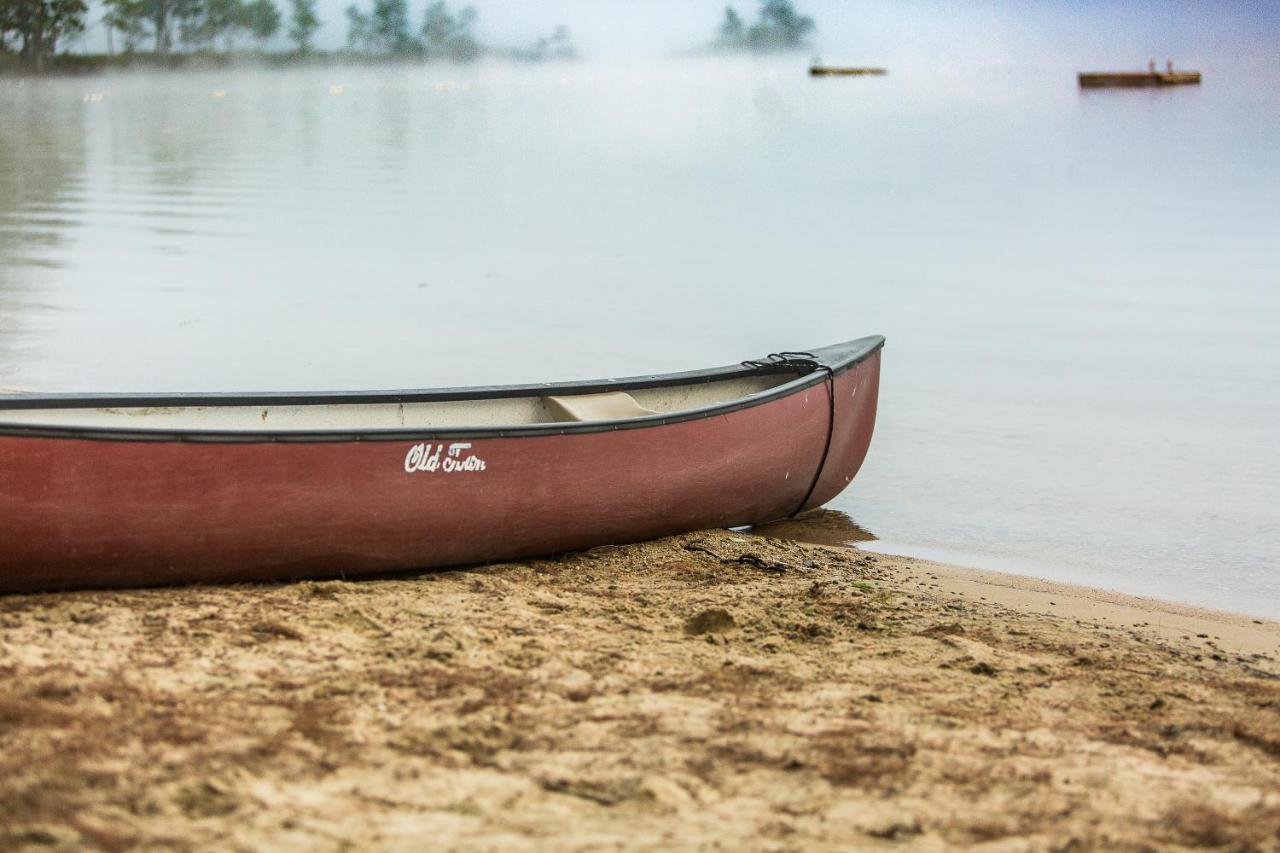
836,358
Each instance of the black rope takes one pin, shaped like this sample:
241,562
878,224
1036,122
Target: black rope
807,362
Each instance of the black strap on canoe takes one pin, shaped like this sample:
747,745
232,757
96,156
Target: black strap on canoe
778,361
807,362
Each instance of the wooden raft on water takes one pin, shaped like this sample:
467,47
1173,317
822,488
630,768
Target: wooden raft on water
1106,79
836,71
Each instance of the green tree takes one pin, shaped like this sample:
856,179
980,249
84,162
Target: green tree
126,18
445,36
8,28
263,19
7,31
214,20
778,27
164,15
390,23
359,30
303,24
36,26
559,45
384,29
733,34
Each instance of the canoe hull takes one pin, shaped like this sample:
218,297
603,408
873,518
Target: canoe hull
86,512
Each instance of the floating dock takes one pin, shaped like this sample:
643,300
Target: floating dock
836,71
1126,79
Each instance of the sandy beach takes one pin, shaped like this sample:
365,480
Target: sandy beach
716,689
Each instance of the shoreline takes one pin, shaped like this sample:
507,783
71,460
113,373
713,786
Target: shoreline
714,688
1156,619
1249,632
1042,571
72,65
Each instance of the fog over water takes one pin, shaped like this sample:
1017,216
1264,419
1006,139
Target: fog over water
1081,291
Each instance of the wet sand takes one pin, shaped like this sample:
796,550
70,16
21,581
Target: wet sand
718,688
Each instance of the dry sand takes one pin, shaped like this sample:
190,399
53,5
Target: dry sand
717,689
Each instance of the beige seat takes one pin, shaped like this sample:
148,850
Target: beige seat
610,406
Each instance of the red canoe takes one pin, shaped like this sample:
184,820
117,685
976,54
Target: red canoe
111,490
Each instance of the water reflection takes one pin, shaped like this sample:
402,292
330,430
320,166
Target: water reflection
42,158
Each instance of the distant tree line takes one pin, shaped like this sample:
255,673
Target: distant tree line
778,27
386,29
204,24
33,30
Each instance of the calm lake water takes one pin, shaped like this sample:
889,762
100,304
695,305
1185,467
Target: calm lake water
1081,291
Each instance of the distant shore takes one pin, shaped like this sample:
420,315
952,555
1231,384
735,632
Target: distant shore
713,688
73,64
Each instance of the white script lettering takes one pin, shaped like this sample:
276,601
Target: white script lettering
428,458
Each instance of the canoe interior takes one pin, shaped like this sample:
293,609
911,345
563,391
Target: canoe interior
425,415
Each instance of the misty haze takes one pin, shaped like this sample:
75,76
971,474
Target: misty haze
1080,289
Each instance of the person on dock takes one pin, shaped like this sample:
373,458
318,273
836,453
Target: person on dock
1151,65
1168,64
